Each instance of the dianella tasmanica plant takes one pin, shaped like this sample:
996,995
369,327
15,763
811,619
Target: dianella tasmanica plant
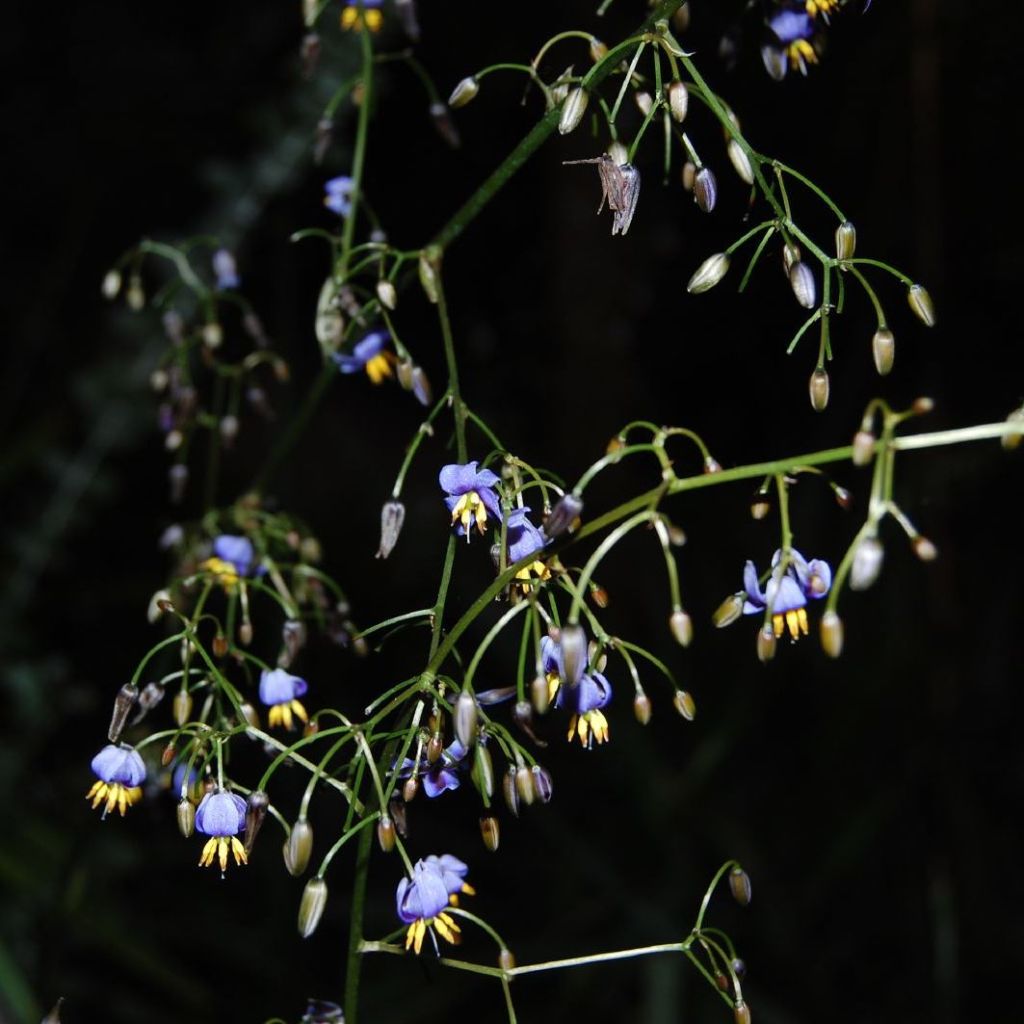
223,706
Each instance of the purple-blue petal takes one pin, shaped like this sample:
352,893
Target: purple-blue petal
790,25
347,363
490,501
370,346
523,537
236,550
422,897
485,478
755,596
592,691
451,869
786,596
550,656
820,568
456,478
279,687
221,814
120,764
438,780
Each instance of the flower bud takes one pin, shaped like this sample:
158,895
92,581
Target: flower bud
599,595
644,102
135,296
688,175
410,788
523,714
565,513
573,644
245,633
435,747
421,388
167,754
728,611
740,161
213,334
490,832
819,389
386,294
705,189
540,695
543,788
846,240
598,50
123,703
506,961
186,814
791,255
867,563
741,1012
832,634
739,886
392,516
883,349
801,280
385,833
53,1017
925,549
463,93
524,785
682,627
1012,441
181,707
298,847
444,124
760,506
921,303
428,263
219,645
681,18
509,790
311,906
111,284
921,406
642,708
684,703
466,719
765,644
843,497
255,813
573,109
618,152
678,101
398,815
739,968
708,274
863,447
482,772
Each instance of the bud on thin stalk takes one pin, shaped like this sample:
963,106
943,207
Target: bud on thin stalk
421,386
385,833
540,695
255,813
111,284
740,162
818,388
483,772
506,961
123,704
684,703
705,189
921,304
678,101
392,516
925,549
801,280
708,274
688,175
867,563
863,447
739,886
181,707
573,109
766,644
566,511
573,644
186,814
682,627
728,611
298,847
510,791
598,50
466,719
883,349
543,787
387,294
846,240
791,255
831,634
428,276
741,1012
524,785
490,832
642,708
464,92
311,906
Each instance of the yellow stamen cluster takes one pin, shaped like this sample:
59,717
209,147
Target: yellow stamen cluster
816,7
800,54
379,367
116,795
225,573
352,18
525,576
470,507
445,925
281,714
220,847
590,726
796,620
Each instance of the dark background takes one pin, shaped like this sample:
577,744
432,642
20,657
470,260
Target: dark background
874,801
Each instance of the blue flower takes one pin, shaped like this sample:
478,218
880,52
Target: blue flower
471,496
192,788
221,816
787,595
365,12
233,557
584,699
371,355
225,270
120,772
792,31
338,195
279,690
441,776
525,539
421,901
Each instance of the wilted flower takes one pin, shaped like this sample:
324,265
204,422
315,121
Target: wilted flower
471,496
787,596
583,697
365,12
369,354
525,539
421,901
221,816
225,270
279,690
120,772
338,195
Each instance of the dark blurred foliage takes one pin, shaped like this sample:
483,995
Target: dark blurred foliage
874,801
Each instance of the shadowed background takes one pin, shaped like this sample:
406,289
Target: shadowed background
871,800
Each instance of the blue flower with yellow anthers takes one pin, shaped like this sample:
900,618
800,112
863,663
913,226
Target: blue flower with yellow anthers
221,816
823,7
120,772
471,496
422,900
279,691
338,195
364,13
233,557
787,595
441,776
370,354
525,539
583,698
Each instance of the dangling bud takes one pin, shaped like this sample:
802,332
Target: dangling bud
867,563
245,633
921,406
298,847
386,294
212,334
490,832
524,785
728,611
181,707
739,886
523,714
925,549
435,747
843,497
421,386
509,790
385,833
846,240
642,708
863,447
186,814
681,18
618,152
255,813
465,719
573,645
1012,441
464,92
598,50
765,644
682,627
883,349
740,161
219,645
540,694
921,303
739,968
791,255
688,175
123,703
705,189
741,1012
832,634
428,265
506,961
444,124
760,506
392,516
410,788
678,101
801,280
311,906
565,513
135,296
482,772
644,102
819,389
708,274
684,703
573,109
111,284
543,788
598,595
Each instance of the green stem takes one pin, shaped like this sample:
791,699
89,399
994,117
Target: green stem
355,935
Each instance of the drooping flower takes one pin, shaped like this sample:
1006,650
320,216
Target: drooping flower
221,816
787,595
790,42
185,781
421,901
441,776
338,195
225,270
233,557
370,354
525,539
279,690
120,772
471,496
584,699
363,13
